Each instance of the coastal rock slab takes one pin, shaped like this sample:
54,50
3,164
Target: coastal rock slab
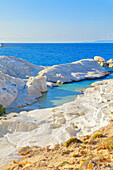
76,71
17,67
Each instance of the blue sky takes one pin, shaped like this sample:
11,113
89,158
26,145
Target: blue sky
56,20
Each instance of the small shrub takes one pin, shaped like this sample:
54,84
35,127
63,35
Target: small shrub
66,152
2,110
97,135
63,163
83,147
72,140
85,142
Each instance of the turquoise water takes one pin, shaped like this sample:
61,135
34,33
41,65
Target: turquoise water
65,93
52,54
57,96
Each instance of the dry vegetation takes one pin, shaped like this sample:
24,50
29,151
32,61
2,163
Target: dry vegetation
90,152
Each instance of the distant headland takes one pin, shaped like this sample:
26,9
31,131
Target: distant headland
1,45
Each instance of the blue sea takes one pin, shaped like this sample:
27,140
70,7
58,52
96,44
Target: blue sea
53,54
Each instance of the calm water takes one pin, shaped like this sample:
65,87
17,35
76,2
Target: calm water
52,54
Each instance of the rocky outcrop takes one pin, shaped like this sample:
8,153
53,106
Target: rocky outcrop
16,92
109,63
17,88
100,60
20,86
1,45
87,113
17,67
36,86
76,71
29,91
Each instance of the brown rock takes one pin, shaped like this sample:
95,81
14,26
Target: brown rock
24,150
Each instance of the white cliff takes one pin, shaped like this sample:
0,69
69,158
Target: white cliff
17,88
87,113
16,92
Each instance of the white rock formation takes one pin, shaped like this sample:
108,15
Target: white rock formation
36,86
8,89
17,67
50,84
76,71
110,63
16,92
89,112
100,60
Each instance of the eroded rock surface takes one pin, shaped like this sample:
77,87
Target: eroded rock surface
17,92
87,113
92,152
17,88
20,86
76,71
17,67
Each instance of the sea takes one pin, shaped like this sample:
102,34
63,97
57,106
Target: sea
48,54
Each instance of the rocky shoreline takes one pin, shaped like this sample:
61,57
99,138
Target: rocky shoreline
22,83
104,63
90,111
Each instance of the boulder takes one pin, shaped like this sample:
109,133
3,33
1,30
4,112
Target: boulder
110,63
24,150
36,86
100,60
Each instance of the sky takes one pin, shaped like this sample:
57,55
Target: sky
56,20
